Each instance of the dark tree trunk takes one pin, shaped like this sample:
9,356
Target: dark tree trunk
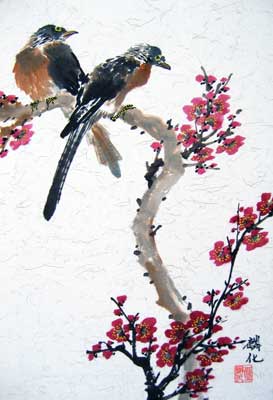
154,393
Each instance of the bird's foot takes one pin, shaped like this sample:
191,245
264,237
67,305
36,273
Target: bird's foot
34,105
50,100
122,111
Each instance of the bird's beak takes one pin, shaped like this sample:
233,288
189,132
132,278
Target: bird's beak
67,34
164,65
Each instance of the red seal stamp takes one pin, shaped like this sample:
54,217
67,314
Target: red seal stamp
243,373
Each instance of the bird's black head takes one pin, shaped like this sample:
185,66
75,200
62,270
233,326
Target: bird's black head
49,33
149,54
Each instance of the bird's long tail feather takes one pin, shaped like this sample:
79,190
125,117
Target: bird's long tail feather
66,159
55,191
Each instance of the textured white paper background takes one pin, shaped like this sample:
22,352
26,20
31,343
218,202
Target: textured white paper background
57,277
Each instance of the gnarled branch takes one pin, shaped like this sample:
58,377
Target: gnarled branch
173,169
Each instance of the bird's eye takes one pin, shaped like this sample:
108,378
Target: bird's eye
158,57
58,28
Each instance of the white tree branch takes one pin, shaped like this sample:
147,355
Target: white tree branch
17,114
173,169
19,111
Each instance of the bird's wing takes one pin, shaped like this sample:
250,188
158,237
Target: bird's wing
64,67
109,78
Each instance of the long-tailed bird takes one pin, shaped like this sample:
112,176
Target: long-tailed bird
109,82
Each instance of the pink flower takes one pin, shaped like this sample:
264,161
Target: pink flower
265,206
145,330
107,354
235,301
224,341
200,170
15,144
246,220
255,239
217,328
196,110
210,95
211,79
187,136
234,124
156,146
214,121
231,117
239,281
231,146
208,298
220,104
197,380
198,321
220,254
151,349
3,153
177,332
22,136
211,355
96,347
212,166
203,155
118,332
165,356
121,299
11,98
200,78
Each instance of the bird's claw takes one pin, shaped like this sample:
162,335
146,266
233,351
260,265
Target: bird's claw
122,111
34,105
50,100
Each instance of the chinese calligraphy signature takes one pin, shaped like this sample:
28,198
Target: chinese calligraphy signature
253,345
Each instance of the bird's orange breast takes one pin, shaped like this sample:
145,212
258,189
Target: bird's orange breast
31,73
140,76
137,79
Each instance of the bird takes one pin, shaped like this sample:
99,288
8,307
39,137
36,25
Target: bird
47,67
108,84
